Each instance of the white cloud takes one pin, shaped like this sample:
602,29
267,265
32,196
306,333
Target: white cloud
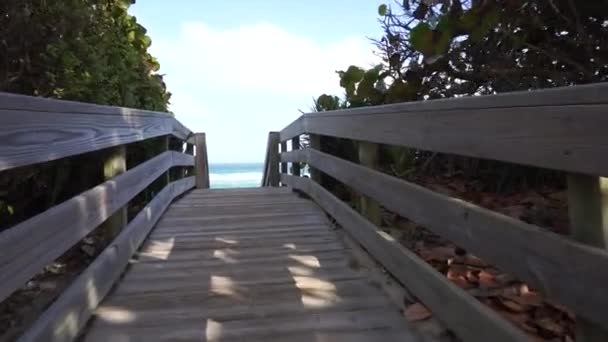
253,76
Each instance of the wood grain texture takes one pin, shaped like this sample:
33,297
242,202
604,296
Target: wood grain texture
557,128
271,162
31,245
564,270
468,318
70,312
588,212
32,136
244,280
201,162
40,104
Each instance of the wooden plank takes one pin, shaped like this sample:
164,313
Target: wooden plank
305,264
257,294
31,245
41,104
468,318
375,335
588,210
566,138
175,280
235,255
147,317
201,165
591,94
30,137
188,244
564,270
293,129
69,313
240,229
265,328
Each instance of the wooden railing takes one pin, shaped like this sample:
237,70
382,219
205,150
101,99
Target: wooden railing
35,130
562,129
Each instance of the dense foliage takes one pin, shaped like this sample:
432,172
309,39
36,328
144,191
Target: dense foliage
448,48
82,50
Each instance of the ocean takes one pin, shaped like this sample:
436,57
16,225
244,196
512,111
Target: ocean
235,175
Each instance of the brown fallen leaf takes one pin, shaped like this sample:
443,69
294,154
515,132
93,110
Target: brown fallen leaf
487,279
512,305
550,326
417,312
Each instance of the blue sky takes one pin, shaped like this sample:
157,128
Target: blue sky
238,69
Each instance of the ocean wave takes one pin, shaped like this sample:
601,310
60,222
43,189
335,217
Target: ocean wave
236,177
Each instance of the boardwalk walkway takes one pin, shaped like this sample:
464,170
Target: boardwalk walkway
245,265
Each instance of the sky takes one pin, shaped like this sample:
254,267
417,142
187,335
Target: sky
239,69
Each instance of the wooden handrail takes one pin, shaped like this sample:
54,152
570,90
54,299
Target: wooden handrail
541,258
562,129
71,311
35,130
31,245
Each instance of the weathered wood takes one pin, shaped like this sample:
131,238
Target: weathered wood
114,164
315,143
470,319
31,245
368,156
70,312
295,145
566,138
591,94
271,168
564,270
292,130
201,164
11,101
260,285
552,128
31,136
283,149
588,209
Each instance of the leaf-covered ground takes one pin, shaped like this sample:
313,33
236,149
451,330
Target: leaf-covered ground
543,320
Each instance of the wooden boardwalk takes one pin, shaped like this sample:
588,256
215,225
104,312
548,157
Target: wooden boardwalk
245,265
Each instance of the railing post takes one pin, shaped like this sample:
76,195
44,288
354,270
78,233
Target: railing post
295,145
273,159
114,163
588,210
189,150
368,156
166,146
200,160
315,143
283,149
